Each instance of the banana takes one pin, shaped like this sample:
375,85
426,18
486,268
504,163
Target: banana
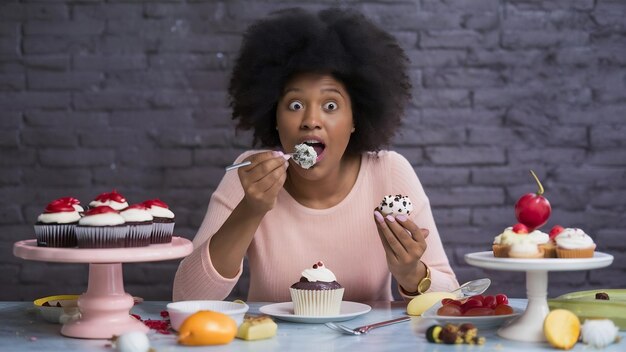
421,303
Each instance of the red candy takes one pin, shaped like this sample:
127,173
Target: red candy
478,305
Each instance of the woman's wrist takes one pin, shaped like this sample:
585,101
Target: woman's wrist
410,286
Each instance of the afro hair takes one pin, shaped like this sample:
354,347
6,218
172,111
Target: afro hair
342,43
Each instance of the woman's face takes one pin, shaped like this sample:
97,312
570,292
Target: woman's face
315,109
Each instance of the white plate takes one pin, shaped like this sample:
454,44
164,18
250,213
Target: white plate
484,322
284,311
486,260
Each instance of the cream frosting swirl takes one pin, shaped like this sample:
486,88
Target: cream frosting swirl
525,246
103,219
319,273
539,237
160,212
65,217
136,215
573,238
599,332
305,156
508,237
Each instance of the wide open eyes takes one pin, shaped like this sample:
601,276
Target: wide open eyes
296,105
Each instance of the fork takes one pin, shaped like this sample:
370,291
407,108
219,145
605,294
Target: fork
361,330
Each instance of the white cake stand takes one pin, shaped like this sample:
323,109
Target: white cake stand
105,306
529,326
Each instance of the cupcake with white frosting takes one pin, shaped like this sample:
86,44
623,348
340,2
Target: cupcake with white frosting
574,243
56,226
542,239
139,221
525,248
395,205
111,199
317,293
503,242
163,221
101,227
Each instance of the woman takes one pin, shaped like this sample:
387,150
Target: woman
335,81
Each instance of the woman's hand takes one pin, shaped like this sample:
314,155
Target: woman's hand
405,244
262,180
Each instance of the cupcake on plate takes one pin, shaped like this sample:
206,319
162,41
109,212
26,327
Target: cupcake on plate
56,226
525,248
317,293
163,221
574,243
395,205
139,221
101,227
111,199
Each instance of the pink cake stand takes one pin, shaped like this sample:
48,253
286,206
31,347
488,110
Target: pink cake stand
105,306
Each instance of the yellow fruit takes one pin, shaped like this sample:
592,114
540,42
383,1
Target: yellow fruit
421,303
207,328
561,328
257,328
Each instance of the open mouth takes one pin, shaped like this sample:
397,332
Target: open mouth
317,146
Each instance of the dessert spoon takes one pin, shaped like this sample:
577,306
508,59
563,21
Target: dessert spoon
474,287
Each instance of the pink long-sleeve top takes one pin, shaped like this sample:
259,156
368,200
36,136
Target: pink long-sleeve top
291,237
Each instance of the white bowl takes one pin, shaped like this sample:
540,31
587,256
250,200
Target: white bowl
179,311
53,314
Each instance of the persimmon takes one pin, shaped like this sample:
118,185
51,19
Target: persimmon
207,328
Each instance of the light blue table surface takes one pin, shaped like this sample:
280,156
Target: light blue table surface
21,329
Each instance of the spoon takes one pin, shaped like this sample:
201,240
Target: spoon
474,287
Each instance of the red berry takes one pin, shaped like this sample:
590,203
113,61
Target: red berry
503,309
490,301
520,228
556,230
478,297
481,311
470,304
449,310
502,299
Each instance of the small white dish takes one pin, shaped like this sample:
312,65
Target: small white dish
179,311
284,311
481,322
66,311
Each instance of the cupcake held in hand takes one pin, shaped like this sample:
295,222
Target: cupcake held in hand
101,227
163,221
395,205
56,226
139,221
317,293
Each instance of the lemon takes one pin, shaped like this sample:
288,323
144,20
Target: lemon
207,328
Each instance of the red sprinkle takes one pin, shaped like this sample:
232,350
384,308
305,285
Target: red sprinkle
160,326
165,314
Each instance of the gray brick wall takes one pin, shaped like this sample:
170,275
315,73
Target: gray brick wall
130,94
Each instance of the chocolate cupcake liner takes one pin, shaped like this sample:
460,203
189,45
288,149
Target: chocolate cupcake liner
138,235
316,302
162,232
55,235
101,236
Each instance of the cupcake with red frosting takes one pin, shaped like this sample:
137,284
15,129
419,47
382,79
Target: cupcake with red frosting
101,227
73,202
139,221
163,221
55,227
111,199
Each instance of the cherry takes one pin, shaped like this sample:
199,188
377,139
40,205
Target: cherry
503,309
501,298
556,230
449,310
490,301
478,298
480,311
470,304
451,301
520,228
532,209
